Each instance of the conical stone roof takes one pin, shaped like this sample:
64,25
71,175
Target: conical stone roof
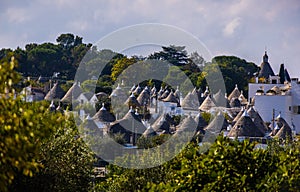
132,101
257,120
56,92
72,93
220,100
207,104
188,125
144,97
201,123
234,94
103,115
171,98
265,68
163,123
245,127
285,132
190,101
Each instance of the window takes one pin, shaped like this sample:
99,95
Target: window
296,109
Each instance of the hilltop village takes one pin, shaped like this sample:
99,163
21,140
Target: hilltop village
270,111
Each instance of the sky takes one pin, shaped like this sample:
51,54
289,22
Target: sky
244,28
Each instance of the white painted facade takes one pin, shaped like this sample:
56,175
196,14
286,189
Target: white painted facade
286,103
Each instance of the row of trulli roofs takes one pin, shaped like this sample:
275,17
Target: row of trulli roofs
272,110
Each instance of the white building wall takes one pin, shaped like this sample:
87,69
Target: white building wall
295,92
253,87
265,104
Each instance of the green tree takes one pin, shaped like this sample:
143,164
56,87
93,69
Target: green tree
67,163
228,165
22,126
175,55
120,66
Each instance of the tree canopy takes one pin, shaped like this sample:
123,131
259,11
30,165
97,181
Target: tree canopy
40,150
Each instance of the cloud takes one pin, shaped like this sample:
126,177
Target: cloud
17,15
231,27
240,27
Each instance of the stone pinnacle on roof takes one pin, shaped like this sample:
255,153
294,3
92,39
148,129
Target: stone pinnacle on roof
206,92
265,68
52,106
235,93
243,99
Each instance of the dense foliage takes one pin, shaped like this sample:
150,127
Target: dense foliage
39,150
227,166
66,55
